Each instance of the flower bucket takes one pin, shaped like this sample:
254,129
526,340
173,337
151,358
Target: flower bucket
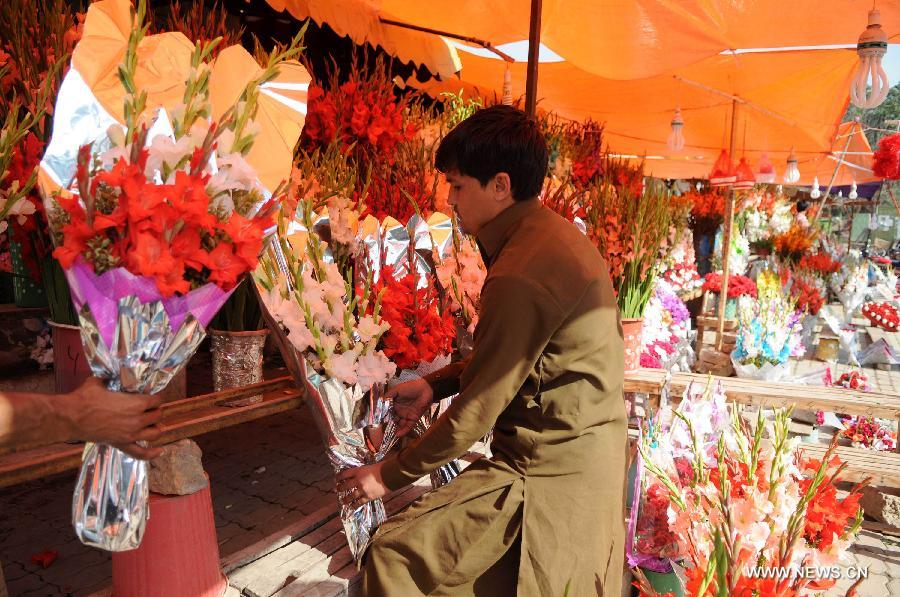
730,307
632,333
664,582
28,292
237,359
70,367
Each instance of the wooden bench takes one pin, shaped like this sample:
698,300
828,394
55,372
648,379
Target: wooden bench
188,417
884,467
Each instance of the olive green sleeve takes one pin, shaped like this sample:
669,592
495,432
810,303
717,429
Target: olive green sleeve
517,320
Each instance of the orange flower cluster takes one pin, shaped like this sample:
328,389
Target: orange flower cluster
420,331
794,243
163,231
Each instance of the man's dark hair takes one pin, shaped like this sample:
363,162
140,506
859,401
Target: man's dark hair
493,140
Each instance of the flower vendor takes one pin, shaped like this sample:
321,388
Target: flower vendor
546,372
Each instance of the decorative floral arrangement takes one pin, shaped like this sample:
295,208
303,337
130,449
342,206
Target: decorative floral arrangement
769,327
630,231
782,509
739,252
882,315
363,113
886,160
418,330
461,276
870,432
708,210
793,244
808,297
851,380
819,264
851,285
737,285
683,277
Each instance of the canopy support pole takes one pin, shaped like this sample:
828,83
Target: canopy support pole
726,236
472,40
534,43
836,168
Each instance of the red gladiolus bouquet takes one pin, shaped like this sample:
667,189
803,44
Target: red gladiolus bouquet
420,331
819,264
153,237
882,315
748,498
737,285
809,298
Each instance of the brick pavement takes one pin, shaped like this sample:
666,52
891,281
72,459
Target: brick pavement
265,475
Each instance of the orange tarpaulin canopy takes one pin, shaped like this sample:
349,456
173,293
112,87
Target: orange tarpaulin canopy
615,39
786,100
630,63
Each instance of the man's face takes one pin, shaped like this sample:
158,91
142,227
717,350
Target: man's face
474,205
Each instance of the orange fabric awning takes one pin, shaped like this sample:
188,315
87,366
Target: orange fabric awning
787,100
614,39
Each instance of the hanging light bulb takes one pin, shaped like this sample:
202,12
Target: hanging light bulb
871,49
507,87
676,137
815,193
853,194
792,174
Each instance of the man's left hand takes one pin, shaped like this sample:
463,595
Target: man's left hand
359,486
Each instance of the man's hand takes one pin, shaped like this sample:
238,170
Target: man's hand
96,414
411,400
359,486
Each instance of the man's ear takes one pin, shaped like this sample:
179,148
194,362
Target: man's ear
501,186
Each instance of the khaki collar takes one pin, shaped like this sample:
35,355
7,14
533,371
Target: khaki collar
495,233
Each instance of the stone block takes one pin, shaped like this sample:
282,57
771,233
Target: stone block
179,470
882,504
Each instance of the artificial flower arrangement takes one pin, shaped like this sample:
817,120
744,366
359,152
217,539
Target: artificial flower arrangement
768,333
741,496
153,234
883,315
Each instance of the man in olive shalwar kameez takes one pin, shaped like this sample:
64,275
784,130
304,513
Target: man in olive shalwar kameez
545,510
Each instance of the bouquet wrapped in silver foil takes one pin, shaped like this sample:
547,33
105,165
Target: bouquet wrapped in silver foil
138,342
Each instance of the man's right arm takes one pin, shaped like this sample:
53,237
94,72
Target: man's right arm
445,382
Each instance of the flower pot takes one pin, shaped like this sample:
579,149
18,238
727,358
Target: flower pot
28,292
70,367
179,555
632,332
237,359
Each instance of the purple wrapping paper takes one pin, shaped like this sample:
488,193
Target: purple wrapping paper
102,294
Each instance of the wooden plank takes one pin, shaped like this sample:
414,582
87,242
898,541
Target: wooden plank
197,402
18,467
882,467
772,394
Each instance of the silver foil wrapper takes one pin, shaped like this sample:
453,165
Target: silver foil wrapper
109,506
358,430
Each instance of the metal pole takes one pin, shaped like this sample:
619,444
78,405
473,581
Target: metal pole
726,236
472,40
534,42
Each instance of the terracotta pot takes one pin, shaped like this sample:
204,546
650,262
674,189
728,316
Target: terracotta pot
179,555
237,359
70,366
632,333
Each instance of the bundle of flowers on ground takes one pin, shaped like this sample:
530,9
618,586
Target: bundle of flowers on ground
742,499
153,234
882,315
768,332
871,433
